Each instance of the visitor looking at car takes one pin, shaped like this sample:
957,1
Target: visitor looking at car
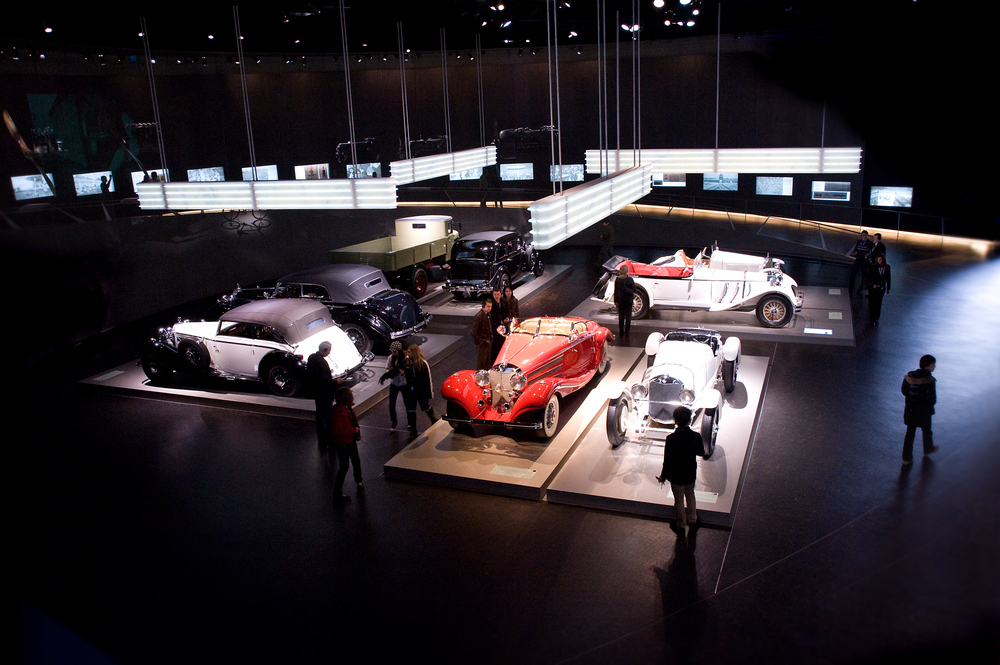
323,387
513,307
624,295
346,434
396,377
680,468
422,385
482,335
498,316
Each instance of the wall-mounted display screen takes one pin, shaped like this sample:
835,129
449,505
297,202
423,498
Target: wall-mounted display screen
312,172
828,190
269,172
570,173
468,174
774,185
891,197
669,180
369,170
87,184
720,182
210,174
517,171
160,175
27,187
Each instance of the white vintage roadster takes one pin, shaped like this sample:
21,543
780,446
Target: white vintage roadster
684,368
714,282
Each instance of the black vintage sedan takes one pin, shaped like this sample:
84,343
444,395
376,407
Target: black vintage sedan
481,262
359,299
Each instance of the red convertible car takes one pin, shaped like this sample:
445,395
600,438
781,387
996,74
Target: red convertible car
543,359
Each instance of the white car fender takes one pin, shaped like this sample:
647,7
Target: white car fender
710,399
731,348
653,343
616,389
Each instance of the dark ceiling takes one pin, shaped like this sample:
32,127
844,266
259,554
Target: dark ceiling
298,27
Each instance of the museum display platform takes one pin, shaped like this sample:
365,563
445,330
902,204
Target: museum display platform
440,302
578,466
623,479
825,319
511,463
253,396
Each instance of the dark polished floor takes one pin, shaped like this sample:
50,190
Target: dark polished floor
156,532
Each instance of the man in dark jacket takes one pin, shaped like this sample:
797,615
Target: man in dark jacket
482,335
324,387
624,295
860,253
680,468
918,388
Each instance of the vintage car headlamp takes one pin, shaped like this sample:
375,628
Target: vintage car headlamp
482,378
517,381
638,391
687,397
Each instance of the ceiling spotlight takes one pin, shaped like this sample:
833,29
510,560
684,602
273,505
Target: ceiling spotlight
685,2
47,29
658,4
695,12
142,34
484,24
211,36
573,33
505,24
690,24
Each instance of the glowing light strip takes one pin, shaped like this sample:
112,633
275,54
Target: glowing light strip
406,171
557,217
365,193
733,160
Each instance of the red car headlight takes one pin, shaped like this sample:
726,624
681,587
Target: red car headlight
482,378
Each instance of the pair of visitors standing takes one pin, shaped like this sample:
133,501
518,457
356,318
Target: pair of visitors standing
346,434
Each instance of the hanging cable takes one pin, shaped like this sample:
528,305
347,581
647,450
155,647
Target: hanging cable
246,92
444,85
402,86
152,92
479,76
552,121
347,79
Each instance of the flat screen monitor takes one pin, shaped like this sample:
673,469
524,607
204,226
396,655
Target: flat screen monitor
669,180
524,171
774,185
27,187
891,197
368,170
570,173
88,184
720,182
210,174
269,172
828,190
162,175
468,174
312,172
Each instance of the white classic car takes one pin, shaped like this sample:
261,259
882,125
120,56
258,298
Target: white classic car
265,340
684,369
709,282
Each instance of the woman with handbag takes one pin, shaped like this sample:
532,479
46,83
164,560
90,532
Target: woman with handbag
422,384
346,434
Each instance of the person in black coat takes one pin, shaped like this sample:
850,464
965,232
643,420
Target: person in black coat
860,253
921,395
879,284
624,295
323,387
497,315
680,468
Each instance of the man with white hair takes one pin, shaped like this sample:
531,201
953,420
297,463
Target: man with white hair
323,386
